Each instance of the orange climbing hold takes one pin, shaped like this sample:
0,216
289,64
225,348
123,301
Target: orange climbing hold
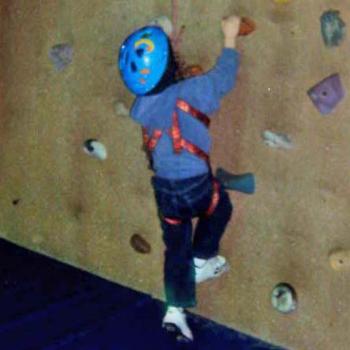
192,71
247,26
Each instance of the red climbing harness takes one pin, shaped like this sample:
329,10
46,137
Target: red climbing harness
180,144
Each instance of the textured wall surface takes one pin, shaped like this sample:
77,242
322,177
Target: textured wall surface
57,200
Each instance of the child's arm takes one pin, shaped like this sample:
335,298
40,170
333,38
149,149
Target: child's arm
230,27
206,91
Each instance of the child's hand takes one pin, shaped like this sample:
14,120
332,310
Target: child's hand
230,27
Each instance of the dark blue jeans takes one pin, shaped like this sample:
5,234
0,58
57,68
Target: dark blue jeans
186,199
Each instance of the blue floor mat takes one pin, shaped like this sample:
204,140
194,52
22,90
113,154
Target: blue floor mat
49,305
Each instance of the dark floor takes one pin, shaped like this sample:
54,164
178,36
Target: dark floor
45,304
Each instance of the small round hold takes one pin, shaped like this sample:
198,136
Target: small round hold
284,298
164,22
95,149
140,244
340,260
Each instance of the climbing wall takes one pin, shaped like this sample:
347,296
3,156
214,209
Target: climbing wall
74,182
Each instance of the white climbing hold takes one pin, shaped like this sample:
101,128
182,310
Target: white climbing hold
284,298
164,22
95,149
120,109
37,239
276,140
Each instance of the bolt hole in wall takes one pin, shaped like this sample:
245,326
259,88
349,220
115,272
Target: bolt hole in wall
16,202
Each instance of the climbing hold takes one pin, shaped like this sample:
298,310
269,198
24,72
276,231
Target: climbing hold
140,244
191,71
332,28
61,56
164,22
120,109
95,149
327,94
277,140
244,183
247,26
284,298
37,239
281,1
340,260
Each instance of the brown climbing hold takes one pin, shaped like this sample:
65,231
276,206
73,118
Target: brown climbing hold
247,26
340,260
192,71
140,244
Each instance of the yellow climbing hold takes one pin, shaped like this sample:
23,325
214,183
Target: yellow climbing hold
281,1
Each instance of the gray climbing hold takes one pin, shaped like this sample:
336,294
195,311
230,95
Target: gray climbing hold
61,56
284,298
276,140
332,28
95,149
120,109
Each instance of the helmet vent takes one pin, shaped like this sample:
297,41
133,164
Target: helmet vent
133,67
146,35
140,52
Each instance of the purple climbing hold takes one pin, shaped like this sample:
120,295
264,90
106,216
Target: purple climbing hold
327,94
61,56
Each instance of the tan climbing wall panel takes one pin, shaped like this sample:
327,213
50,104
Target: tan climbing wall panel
84,211
76,208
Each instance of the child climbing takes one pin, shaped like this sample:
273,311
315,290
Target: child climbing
174,116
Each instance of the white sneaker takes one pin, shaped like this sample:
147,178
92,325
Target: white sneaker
175,321
211,268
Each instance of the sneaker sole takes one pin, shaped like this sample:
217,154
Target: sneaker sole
222,270
173,329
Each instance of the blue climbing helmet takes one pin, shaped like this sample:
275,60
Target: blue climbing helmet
144,58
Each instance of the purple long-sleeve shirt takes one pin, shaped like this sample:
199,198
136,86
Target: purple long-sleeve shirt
204,93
